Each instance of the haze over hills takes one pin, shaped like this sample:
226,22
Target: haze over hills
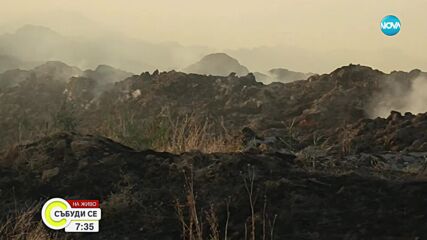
281,75
286,75
39,44
60,72
9,62
221,64
33,45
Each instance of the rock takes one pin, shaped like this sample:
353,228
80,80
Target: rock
47,175
396,133
271,144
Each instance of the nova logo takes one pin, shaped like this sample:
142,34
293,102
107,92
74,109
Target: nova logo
390,25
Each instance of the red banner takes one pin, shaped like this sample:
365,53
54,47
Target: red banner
84,203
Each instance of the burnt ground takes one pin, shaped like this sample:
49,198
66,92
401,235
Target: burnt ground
138,191
322,166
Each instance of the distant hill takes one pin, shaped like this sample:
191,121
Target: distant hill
35,43
107,74
285,75
56,71
8,62
262,77
61,72
49,71
219,64
281,75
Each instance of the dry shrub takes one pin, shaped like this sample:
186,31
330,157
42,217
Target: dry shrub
9,156
123,199
212,219
191,219
22,225
192,228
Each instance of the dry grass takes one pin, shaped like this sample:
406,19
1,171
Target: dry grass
175,134
191,133
170,134
23,226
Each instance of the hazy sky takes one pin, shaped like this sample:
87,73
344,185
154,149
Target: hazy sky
343,29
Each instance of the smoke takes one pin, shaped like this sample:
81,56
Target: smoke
404,95
416,101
